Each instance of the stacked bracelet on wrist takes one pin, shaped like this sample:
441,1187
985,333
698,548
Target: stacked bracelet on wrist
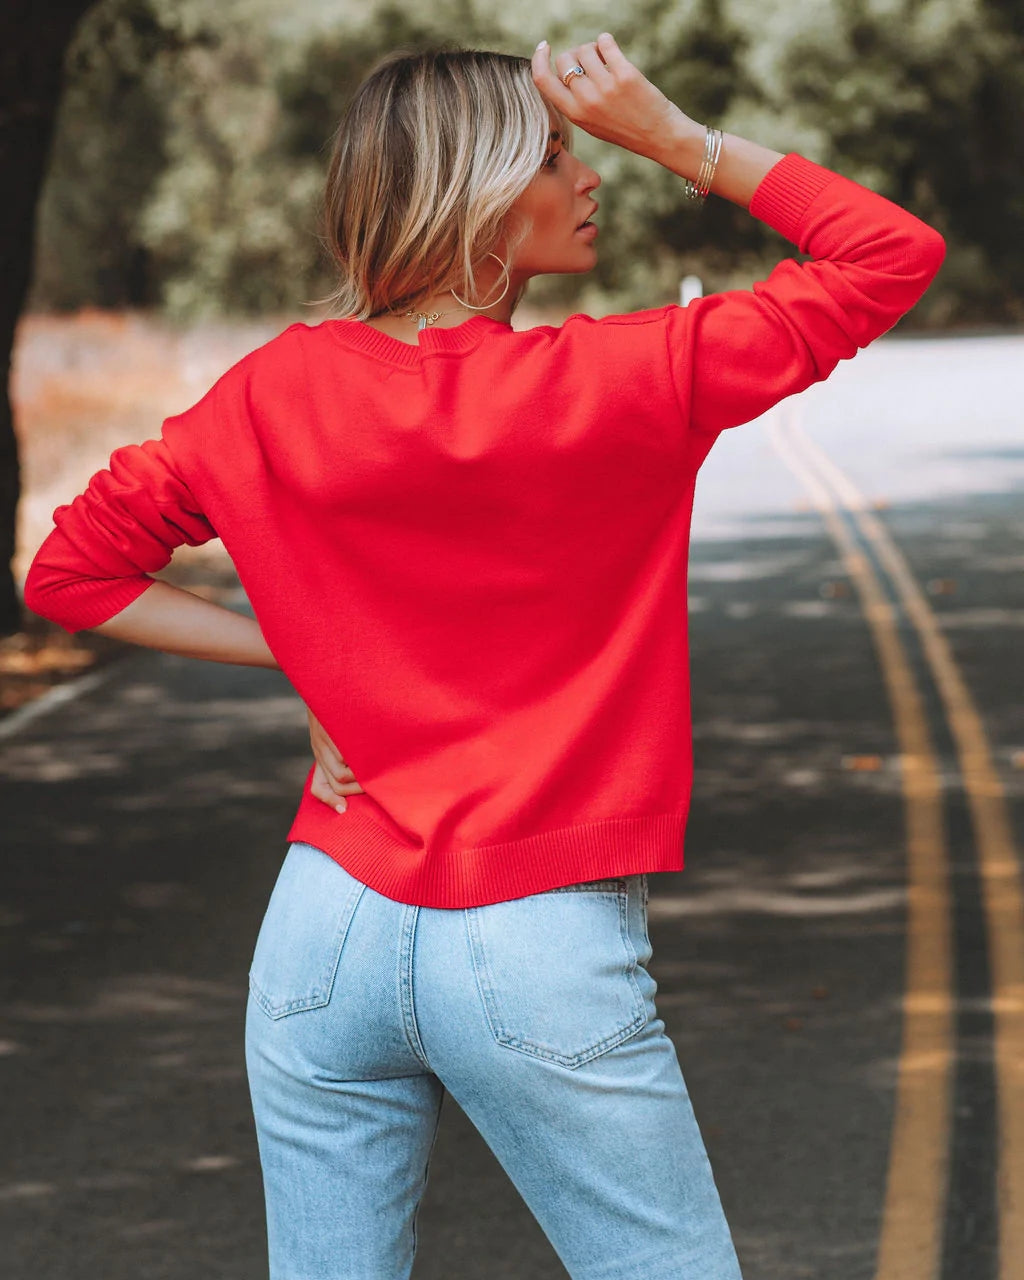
699,189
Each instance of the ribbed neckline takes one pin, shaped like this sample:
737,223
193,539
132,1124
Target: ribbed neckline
455,340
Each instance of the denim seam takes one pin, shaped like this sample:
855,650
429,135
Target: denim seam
478,959
426,1174
645,932
410,917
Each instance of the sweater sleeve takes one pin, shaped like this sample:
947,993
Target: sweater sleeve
107,542
734,354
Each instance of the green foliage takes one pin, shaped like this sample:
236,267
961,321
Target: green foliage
193,140
225,222
108,151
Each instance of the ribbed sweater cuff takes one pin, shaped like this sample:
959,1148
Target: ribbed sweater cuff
85,603
786,190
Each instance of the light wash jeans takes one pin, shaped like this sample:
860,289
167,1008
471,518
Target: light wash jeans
538,1017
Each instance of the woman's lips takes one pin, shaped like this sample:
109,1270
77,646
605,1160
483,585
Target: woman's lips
588,228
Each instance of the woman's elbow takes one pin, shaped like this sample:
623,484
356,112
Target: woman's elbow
38,596
59,595
34,593
933,252
921,259
928,255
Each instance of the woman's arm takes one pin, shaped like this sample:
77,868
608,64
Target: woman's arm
177,621
95,568
616,102
734,354
742,165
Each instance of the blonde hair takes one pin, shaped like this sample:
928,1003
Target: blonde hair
433,150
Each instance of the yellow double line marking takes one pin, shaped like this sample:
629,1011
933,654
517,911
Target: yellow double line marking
911,1240
912,1226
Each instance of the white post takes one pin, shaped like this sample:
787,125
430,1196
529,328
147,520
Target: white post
690,287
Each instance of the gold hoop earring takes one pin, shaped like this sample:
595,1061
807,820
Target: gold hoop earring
508,281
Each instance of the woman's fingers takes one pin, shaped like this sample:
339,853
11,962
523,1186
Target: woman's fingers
332,762
328,755
590,58
549,85
339,777
340,786
318,737
613,100
320,787
612,55
334,774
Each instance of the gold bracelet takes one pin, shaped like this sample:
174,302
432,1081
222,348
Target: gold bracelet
698,190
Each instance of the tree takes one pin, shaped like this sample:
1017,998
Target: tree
33,41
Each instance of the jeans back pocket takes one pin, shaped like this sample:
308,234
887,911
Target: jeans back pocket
557,971
303,932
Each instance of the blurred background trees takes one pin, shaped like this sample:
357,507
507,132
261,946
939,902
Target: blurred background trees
192,140
33,44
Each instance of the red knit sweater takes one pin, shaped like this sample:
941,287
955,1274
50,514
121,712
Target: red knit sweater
469,555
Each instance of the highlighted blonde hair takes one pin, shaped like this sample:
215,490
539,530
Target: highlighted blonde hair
434,149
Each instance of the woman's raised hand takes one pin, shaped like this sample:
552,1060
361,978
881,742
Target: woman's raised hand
333,780
614,101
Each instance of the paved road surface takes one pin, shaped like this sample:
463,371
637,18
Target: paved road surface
783,952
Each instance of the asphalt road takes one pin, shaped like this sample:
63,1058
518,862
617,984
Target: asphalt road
144,826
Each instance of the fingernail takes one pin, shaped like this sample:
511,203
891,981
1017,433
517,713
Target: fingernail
541,45
341,806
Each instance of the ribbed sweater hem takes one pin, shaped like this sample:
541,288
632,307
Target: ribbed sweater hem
474,877
786,191
82,603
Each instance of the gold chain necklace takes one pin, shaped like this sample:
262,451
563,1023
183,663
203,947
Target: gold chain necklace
427,317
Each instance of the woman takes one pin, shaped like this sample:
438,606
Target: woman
466,546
